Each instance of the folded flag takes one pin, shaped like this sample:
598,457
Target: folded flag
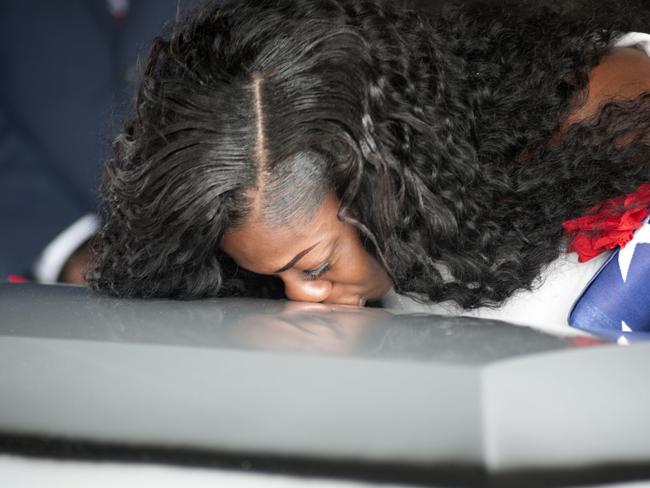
617,299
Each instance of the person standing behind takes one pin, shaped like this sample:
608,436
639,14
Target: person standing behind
67,70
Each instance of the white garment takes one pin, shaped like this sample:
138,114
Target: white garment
54,257
639,40
548,305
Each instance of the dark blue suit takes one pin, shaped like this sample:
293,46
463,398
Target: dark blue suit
67,73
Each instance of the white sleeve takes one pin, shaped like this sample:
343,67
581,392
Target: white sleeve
634,39
50,263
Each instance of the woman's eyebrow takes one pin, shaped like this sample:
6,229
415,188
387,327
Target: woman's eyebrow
297,258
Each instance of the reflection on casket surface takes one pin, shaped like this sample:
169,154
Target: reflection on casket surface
243,379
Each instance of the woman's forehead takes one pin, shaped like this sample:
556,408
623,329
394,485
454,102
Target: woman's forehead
257,244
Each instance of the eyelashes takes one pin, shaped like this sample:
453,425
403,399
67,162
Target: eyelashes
314,274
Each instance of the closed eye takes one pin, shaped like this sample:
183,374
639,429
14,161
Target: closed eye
314,274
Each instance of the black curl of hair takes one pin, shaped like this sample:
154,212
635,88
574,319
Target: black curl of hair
436,133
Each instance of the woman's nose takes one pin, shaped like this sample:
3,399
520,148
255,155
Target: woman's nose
302,290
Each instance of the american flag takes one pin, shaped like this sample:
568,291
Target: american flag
616,302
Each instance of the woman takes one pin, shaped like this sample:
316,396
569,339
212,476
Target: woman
331,150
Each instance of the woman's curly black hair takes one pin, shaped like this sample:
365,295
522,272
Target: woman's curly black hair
437,133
